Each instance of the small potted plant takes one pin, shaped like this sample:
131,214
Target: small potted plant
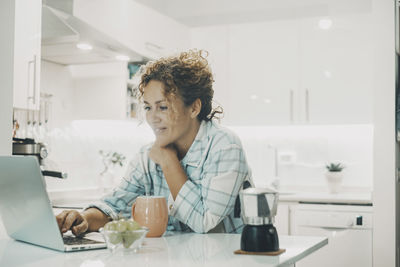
110,161
334,176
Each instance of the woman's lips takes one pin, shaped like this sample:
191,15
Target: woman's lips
159,130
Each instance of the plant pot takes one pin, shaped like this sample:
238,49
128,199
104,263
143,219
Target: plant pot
334,180
106,181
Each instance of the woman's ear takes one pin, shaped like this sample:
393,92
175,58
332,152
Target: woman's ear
196,108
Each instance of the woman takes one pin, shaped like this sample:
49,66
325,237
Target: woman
196,164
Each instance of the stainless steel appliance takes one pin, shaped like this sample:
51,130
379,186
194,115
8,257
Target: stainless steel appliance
28,147
258,210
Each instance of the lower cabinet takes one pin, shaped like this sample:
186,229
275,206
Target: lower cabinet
282,218
348,228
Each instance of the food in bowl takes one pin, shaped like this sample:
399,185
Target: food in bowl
124,233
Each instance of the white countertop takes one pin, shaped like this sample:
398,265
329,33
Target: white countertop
325,197
74,199
172,249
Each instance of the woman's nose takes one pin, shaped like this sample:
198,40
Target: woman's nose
153,116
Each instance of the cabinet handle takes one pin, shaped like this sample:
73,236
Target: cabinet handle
34,78
398,175
30,62
291,106
307,106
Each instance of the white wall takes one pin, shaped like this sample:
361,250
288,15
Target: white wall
7,15
384,138
57,80
76,149
310,148
88,91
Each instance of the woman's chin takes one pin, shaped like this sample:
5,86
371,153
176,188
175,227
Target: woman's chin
162,143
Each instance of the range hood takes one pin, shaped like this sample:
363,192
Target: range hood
62,31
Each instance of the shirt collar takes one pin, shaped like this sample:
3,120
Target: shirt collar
196,150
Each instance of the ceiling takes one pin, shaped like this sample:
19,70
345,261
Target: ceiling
195,13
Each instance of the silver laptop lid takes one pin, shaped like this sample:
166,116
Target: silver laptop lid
24,204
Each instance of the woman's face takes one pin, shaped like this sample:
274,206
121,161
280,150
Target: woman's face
170,125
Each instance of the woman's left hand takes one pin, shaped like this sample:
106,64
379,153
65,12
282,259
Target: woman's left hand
162,155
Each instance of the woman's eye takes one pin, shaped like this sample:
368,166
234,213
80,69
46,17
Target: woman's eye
163,108
146,108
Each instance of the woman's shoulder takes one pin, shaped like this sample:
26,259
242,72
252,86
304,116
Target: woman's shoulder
222,134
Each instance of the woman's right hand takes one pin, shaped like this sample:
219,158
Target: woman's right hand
72,220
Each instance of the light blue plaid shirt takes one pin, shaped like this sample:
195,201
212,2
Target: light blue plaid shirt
216,168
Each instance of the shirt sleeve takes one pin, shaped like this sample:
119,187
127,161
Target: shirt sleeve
203,204
119,202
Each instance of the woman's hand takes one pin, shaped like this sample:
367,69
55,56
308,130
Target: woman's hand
90,220
167,158
162,155
72,220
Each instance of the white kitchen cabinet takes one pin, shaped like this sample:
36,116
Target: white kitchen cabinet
349,229
144,30
295,72
263,76
335,70
282,218
27,44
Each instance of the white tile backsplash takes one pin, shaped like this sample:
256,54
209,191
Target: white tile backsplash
311,147
302,151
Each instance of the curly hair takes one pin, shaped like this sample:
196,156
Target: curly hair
188,76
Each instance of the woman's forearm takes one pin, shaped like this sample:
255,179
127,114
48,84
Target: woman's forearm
95,218
174,175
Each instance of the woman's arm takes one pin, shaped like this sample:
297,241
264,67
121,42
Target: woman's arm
204,203
174,174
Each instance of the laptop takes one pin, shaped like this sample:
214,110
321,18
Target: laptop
26,211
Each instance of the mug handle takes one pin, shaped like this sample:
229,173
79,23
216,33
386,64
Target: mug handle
133,208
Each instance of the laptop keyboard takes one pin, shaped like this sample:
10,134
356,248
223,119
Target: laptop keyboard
73,240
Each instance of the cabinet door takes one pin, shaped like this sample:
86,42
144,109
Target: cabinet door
263,76
336,70
282,219
27,54
346,248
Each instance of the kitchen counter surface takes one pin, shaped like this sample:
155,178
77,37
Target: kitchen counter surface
172,249
363,198
74,199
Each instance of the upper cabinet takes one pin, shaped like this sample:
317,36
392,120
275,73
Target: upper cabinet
27,54
314,70
144,30
263,77
336,69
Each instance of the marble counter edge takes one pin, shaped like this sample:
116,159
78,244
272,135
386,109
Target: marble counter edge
348,198
305,253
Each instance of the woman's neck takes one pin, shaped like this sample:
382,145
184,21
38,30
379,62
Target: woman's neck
183,146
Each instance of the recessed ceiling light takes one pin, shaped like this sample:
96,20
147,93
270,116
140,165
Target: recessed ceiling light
84,46
267,100
325,24
122,57
253,97
327,74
